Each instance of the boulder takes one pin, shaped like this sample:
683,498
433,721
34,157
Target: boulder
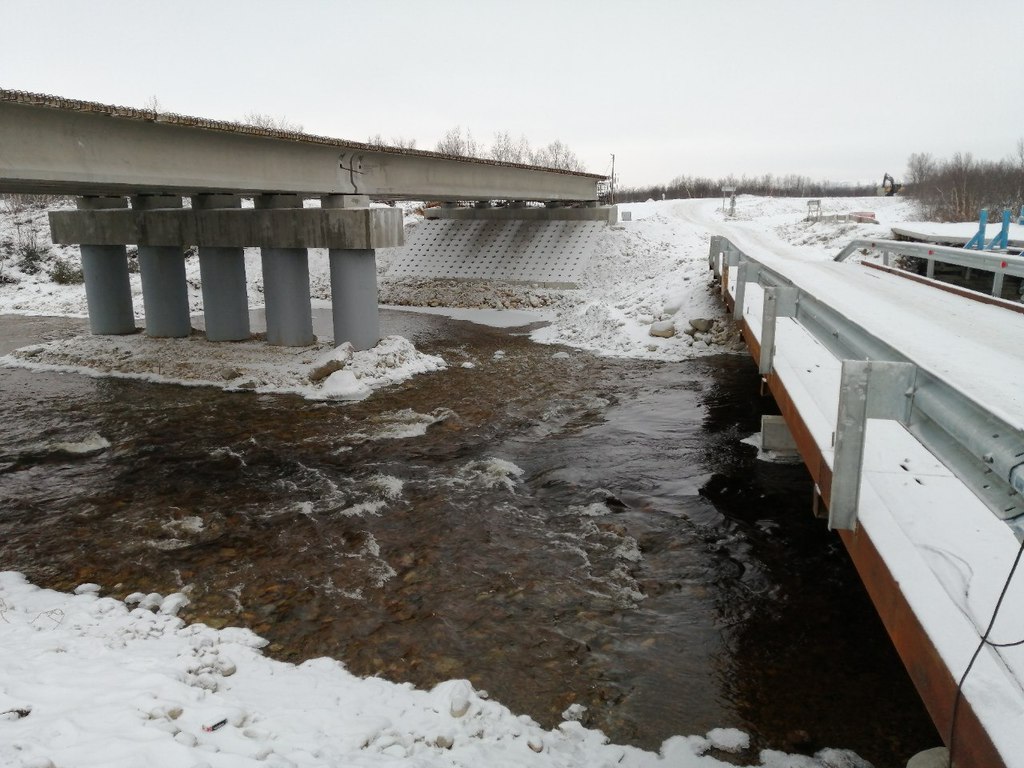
702,324
322,371
665,329
930,758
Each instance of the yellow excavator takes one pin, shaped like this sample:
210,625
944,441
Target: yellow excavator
889,186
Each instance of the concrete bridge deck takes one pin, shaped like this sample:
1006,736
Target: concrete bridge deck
933,554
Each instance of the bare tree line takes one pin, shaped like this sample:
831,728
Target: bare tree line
956,189
264,120
791,185
507,149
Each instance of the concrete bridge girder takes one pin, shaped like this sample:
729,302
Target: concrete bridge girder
95,149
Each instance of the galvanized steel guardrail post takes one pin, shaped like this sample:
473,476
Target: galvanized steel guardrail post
868,389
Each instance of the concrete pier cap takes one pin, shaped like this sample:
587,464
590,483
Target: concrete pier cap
345,201
277,221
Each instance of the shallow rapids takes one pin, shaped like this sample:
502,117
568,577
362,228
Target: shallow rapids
557,528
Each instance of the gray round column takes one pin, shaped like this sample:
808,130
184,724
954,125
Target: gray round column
222,271
354,308
108,289
164,290
354,297
286,286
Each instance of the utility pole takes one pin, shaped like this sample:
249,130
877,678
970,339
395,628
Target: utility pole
611,186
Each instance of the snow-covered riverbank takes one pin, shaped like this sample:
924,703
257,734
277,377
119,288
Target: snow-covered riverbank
87,681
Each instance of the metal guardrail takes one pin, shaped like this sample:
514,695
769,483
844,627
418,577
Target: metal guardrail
999,264
984,451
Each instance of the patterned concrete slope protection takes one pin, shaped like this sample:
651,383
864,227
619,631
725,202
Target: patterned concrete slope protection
550,253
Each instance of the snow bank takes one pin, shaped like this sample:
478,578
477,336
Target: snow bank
87,681
646,293
318,372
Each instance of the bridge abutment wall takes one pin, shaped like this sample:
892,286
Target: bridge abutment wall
549,247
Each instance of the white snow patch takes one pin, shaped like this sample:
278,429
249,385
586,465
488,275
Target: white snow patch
728,739
772,457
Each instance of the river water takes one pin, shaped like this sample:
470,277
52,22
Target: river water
557,528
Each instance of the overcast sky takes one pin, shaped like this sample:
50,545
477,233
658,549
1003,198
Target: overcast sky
832,90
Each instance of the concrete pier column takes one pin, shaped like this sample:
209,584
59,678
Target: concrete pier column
164,290
108,290
222,270
286,285
354,307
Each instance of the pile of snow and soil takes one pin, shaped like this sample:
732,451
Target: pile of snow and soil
92,681
475,294
646,293
318,372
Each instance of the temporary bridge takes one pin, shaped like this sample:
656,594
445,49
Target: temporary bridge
904,399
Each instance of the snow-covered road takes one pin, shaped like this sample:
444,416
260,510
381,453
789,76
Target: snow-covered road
972,346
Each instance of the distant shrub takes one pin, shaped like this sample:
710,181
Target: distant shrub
31,257
21,202
66,273
956,189
133,259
